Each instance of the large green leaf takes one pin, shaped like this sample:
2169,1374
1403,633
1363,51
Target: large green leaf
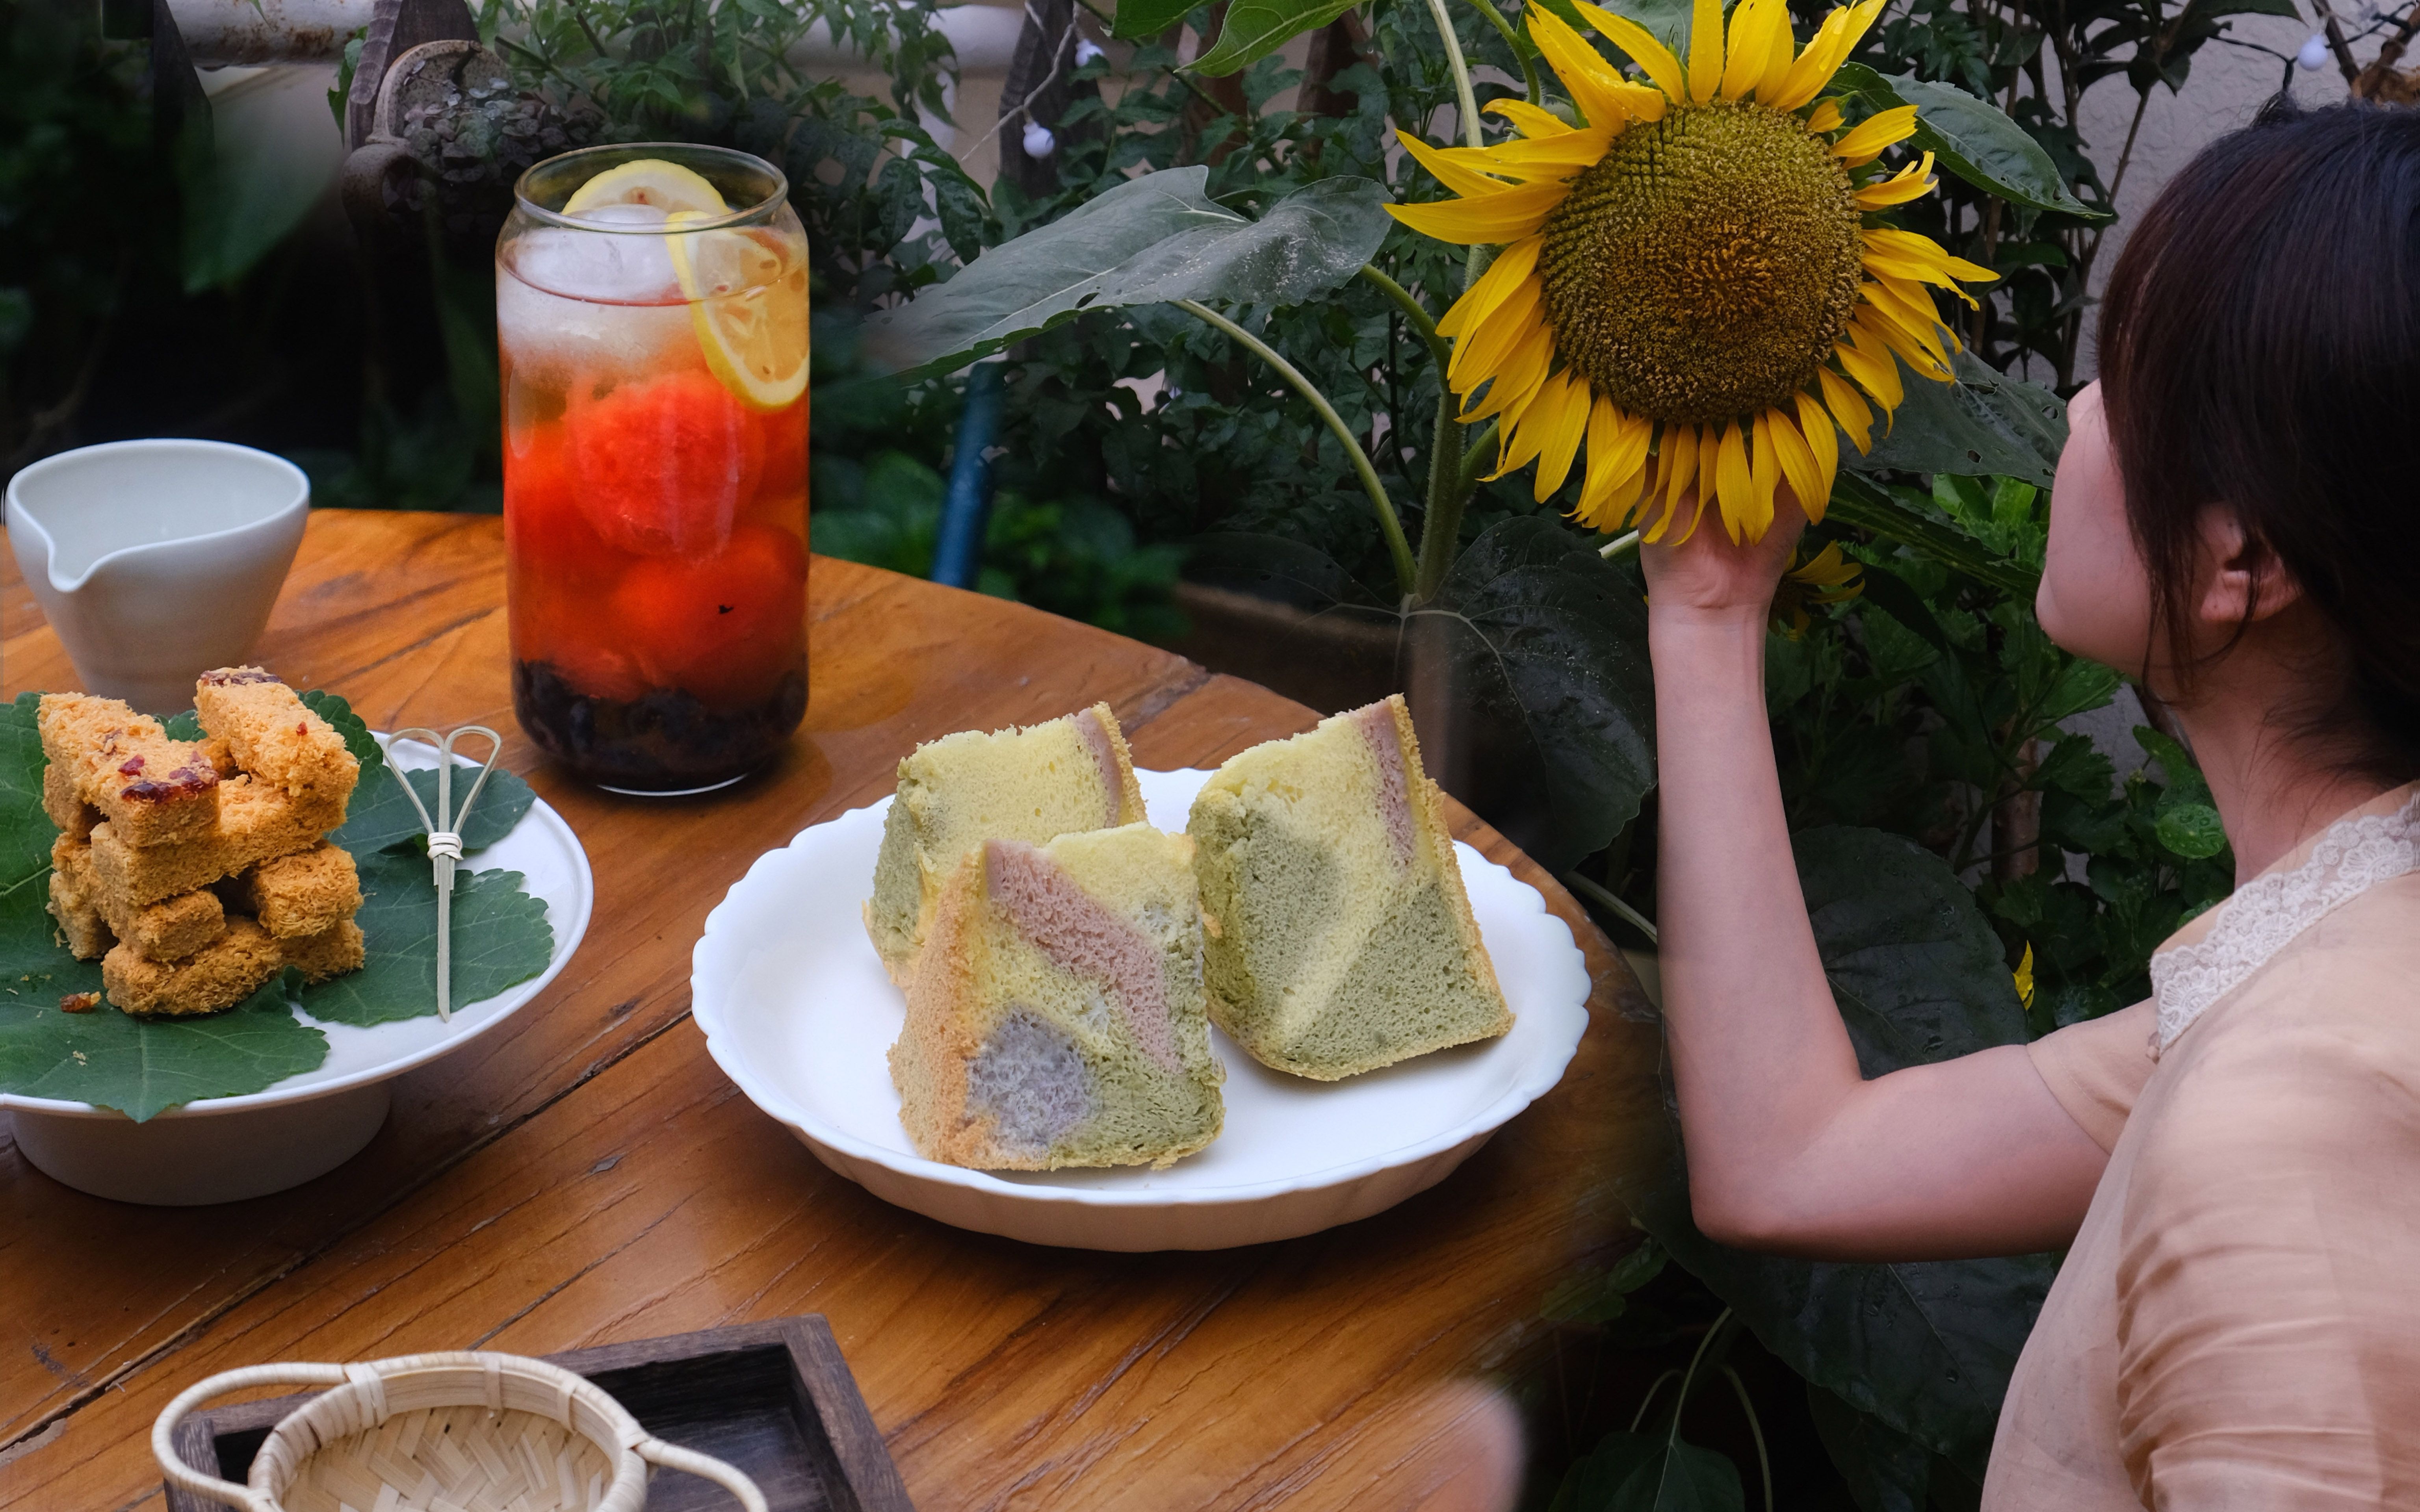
1141,20
1866,505
1638,1473
1972,138
141,1067
1256,28
1925,1348
1147,242
1985,425
1536,649
1885,1472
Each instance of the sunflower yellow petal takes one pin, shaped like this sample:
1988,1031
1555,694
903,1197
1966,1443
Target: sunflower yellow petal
1865,141
1875,371
1819,431
1914,334
1735,486
1848,408
1914,247
1824,118
1560,416
1814,66
1778,61
1617,454
1554,157
1791,454
1516,377
1594,86
1485,219
1749,47
1654,58
1705,50
1532,121
1486,343
1451,169
1512,267
1914,181
1676,464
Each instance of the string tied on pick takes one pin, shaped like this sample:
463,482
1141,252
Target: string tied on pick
444,831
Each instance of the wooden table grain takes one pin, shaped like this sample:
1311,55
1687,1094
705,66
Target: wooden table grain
585,1174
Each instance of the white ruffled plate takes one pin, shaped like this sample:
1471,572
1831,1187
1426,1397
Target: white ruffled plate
797,1010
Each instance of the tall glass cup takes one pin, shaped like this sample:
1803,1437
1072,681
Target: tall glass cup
651,305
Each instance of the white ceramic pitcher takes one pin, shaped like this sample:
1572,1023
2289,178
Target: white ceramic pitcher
156,560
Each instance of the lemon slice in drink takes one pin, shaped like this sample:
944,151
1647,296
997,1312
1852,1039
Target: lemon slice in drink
749,305
667,186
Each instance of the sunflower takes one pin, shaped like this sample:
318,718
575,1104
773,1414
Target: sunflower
1688,282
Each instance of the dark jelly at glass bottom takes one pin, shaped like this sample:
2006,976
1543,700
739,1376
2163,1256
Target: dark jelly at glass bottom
665,741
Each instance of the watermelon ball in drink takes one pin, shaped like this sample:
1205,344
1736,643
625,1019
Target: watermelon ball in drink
651,306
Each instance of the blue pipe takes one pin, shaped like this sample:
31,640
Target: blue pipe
966,509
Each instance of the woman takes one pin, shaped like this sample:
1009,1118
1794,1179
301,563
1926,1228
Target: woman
2236,1163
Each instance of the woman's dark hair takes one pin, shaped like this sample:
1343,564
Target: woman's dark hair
2261,348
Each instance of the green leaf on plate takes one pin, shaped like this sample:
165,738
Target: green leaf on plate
1256,28
1147,242
501,937
142,1067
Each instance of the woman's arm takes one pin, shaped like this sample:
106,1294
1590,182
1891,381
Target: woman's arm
1790,1148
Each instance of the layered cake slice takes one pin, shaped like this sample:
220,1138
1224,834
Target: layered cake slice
1057,1018
1341,939
1032,784
275,736
115,764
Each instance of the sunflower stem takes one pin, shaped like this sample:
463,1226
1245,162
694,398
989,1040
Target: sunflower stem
1504,29
1413,312
1618,545
1465,100
1406,574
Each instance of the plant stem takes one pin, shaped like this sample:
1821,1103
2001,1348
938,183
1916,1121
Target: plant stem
1618,545
1756,1432
1421,324
1389,526
1680,1402
1504,29
1605,896
1648,1400
1475,457
1465,100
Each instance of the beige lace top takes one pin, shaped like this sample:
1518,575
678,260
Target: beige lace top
2238,1324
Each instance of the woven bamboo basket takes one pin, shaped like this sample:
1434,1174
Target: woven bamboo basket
460,1432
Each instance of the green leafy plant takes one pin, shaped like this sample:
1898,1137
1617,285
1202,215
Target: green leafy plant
143,1066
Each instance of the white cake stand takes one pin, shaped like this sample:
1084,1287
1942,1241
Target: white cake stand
226,1149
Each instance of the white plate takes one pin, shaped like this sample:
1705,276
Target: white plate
217,1148
798,1011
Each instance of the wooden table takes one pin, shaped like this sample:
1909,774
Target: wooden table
585,1174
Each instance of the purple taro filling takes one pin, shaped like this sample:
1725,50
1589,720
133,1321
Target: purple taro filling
1377,726
1096,740
1079,935
1032,1082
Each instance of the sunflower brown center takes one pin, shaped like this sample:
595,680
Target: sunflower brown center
1705,267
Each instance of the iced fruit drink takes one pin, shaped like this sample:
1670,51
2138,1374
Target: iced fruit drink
651,306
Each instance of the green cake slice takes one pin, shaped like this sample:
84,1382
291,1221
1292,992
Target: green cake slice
1057,1016
1033,784
1341,938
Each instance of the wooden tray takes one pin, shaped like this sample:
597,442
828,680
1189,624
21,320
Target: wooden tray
774,1398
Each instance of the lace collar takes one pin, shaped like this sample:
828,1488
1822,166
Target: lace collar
2265,915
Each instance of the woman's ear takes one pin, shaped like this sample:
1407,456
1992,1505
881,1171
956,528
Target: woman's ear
2246,580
